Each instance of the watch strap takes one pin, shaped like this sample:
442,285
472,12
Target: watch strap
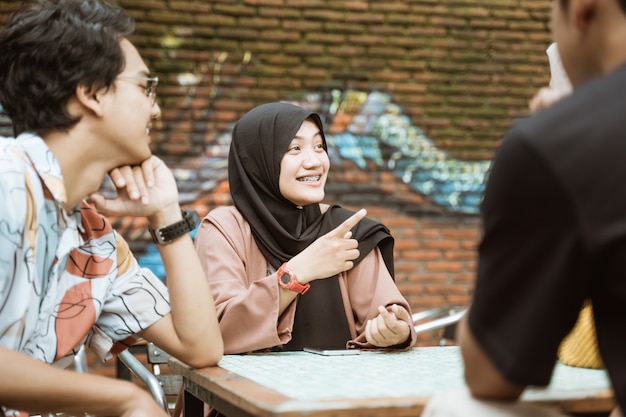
167,234
287,280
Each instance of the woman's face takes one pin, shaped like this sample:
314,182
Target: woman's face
304,167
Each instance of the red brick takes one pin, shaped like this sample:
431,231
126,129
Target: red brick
443,266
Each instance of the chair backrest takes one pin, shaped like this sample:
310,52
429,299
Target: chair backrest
153,384
164,386
156,358
438,318
80,360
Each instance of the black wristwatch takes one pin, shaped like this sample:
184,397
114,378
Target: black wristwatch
167,234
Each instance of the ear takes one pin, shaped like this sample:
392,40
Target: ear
583,12
90,98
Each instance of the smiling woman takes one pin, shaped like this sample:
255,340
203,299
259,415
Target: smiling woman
285,270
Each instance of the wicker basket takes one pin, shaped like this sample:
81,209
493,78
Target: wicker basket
580,347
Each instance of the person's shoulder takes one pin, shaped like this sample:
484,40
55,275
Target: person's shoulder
592,107
6,141
578,139
224,213
14,186
11,153
13,168
588,121
230,223
227,218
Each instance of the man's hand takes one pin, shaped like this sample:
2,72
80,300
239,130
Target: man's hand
545,97
142,190
387,329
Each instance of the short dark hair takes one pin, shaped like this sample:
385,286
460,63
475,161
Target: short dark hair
48,48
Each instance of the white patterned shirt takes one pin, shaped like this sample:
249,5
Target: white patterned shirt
66,278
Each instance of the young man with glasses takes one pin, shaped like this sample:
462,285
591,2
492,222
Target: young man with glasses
554,215
82,103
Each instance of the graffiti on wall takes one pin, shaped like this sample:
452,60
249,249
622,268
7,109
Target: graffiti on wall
365,128
375,129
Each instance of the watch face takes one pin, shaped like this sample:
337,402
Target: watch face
285,278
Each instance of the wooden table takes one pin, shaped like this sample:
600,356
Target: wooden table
390,384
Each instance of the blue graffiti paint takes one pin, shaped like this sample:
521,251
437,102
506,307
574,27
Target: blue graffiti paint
381,133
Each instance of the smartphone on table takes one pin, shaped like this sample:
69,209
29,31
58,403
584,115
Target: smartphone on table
331,350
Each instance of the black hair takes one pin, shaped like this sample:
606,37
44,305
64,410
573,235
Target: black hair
48,48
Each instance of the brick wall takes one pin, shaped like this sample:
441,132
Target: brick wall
460,70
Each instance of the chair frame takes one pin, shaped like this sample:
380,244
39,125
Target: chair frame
437,318
140,371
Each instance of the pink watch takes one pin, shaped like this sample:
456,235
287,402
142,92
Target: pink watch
288,281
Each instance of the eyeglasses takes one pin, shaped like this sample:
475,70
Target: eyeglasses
150,88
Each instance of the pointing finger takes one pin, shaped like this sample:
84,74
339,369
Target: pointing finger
349,223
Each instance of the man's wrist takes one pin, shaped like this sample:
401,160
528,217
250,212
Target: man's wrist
163,235
165,216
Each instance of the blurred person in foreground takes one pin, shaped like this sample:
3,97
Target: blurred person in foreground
554,227
82,102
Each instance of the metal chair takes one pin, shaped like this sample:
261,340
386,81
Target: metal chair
438,318
150,379
80,361
160,385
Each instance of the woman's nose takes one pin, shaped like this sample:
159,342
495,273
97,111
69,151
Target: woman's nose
312,159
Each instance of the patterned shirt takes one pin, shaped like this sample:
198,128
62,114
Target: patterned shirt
66,278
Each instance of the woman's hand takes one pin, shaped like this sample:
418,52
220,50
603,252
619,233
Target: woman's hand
387,329
328,255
